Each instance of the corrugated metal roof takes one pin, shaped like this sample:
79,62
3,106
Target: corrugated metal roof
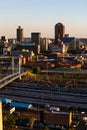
5,100
21,105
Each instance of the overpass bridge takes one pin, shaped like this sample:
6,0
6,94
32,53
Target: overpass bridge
11,68
8,79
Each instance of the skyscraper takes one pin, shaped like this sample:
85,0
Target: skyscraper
59,31
19,34
35,37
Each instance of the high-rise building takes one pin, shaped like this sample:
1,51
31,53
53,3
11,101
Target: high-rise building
35,37
44,44
59,31
19,34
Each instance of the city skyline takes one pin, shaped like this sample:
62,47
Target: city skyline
41,16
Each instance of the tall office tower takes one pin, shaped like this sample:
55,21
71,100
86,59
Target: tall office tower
35,37
59,31
19,34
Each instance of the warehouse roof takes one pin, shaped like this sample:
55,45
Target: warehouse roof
5,100
21,105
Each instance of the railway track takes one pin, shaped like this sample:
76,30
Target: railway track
35,94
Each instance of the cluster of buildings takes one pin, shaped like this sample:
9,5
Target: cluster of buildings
67,44
36,45
62,43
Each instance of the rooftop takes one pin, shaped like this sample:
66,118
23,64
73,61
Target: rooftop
27,44
67,39
20,104
5,100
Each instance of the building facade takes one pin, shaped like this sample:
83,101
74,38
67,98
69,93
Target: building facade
57,48
19,34
44,44
77,46
25,48
59,31
35,38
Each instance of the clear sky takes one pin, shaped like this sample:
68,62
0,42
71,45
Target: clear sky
42,15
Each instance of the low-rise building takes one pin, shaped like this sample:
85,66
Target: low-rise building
25,47
44,44
56,118
67,41
57,48
76,46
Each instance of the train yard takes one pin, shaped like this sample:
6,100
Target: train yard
43,95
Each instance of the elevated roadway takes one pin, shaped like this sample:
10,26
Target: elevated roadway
10,78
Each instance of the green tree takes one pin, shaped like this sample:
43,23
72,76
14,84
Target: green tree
36,70
9,121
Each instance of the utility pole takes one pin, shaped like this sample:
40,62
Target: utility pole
12,65
19,66
1,121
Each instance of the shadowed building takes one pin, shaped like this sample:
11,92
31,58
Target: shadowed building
59,31
44,44
35,37
19,34
25,48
